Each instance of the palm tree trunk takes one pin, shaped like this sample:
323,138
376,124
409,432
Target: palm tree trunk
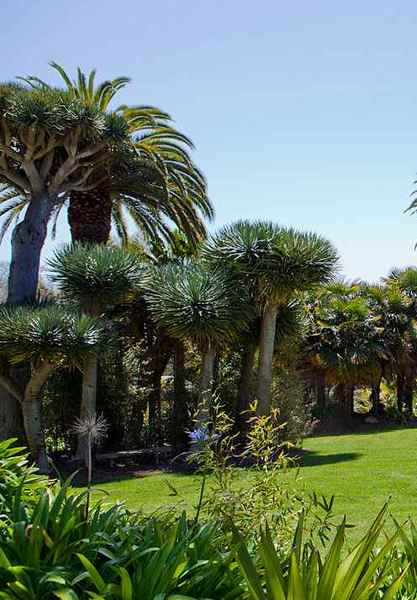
179,408
405,387
345,397
89,216
88,401
266,354
32,414
408,394
377,409
28,238
245,390
11,397
207,374
206,387
320,388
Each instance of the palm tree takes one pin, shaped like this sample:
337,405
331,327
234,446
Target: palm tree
289,328
153,185
400,316
192,302
49,338
346,341
276,263
94,277
51,145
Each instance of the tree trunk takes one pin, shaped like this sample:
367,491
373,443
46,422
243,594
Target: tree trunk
408,395
10,417
266,354
32,415
88,401
11,397
245,390
207,374
405,388
154,407
27,242
377,409
206,387
89,216
179,408
345,397
320,388
400,392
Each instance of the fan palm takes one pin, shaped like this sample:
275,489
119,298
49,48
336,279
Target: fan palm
399,311
192,302
94,277
346,340
49,338
275,263
154,185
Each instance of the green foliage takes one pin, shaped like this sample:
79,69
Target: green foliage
50,549
265,493
95,275
48,333
195,302
304,575
276,260
17,478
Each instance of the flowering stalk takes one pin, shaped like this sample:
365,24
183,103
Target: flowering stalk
94,429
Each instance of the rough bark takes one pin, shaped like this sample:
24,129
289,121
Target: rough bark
89,216
10,417
245,390
32,415
207,374
206,387
345,399
377,408
179,408
320,389
405,388
88,401
27,242
11,396
157,360
266,354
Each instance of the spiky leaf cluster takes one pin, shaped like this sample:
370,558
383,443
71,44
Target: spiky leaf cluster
278,261
48,333
57,112
147,168
95,275
193,302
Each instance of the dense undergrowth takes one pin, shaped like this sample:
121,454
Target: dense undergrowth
51,548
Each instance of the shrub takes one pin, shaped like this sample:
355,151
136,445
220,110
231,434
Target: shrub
304,575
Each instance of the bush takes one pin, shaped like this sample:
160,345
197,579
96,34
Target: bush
51,547
289,397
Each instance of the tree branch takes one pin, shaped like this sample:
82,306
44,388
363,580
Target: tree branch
11,387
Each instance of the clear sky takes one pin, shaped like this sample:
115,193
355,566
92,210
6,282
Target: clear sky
302,112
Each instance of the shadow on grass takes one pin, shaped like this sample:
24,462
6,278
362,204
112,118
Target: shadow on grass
364,430
310,458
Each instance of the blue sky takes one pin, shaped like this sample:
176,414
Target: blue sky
304,113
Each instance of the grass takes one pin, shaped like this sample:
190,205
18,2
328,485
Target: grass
362,470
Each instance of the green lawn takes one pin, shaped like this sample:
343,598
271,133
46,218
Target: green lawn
362,470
